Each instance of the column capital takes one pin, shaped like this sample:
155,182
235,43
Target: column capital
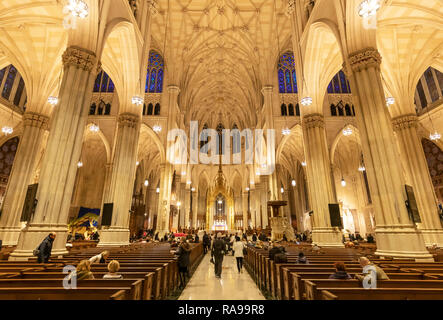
267,89
404,122
152,6
128,120
31,119
79,58
290,9
174,89
364,59
314,120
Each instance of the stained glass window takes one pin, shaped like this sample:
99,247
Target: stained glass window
287,77
103,83
19,92
339,84
2,74
154,78
9,82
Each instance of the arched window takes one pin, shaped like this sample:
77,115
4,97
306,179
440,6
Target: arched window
108,109
429,88
7,88
287,77
19,92
353,110
144,109
103,83
348,110
339,84
150,109
333,110
154,78
340,111
291,109
297,110
2,75
92,109
101,108
284,111
157,109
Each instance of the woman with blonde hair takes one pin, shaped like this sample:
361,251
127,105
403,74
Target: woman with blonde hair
83,271
113,268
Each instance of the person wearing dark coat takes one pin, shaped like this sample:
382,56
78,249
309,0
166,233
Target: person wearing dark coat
183,253
197,239
45,248
340,272
302,258
206,243
218,252
275,250
254,237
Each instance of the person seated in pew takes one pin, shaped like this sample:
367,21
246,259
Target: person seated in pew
83,271
315,248
100,258
370,238
274,250
302,258
364,262
113,268
340,272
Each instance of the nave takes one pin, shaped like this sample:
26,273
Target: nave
203,284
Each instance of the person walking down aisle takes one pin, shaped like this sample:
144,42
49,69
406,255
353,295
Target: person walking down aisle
206,243
238,253
218,252
183,253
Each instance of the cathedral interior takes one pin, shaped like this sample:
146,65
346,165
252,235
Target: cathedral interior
316,117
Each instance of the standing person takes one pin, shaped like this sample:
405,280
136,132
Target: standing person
238,253
254,238
218,251
206,243
45,248
183,253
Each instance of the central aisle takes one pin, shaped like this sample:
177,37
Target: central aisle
232,285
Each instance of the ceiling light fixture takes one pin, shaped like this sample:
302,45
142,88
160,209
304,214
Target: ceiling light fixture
94,128
306,101
390,101
157,128
137,100
78,8
347,132
435,136
368,8
53,101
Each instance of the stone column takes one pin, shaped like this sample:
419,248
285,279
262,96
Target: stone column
395,232
164,198
187,207
245,210
195,200
417,172
62,154
122,180
34,127
264,202
253,209
319,180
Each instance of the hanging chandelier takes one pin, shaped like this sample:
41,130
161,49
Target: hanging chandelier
80,164
146,183
78,8
53,101
343,182
137,163
347,132
294,183
362,168
157,128
7,130
304,164
94,128
306,101
286,131
137,100
390,101
435,136
368,8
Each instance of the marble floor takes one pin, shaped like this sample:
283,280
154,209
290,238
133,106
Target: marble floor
232,285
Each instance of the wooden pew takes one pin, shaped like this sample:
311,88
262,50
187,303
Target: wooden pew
135,285
313,287
43,293
382,294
